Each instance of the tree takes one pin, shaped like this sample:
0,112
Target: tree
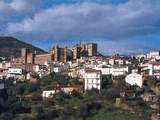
84,111
21,107
61,97
2,105
38,112
53,79
106,81
4,94
112,93
151,81
25,88
6,116
76,94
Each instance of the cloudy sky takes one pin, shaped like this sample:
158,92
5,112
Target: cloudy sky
118,26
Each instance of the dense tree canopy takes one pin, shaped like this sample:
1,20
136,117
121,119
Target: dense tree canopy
23,101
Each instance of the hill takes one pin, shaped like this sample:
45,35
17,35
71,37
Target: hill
10,46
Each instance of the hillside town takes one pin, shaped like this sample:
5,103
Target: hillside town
137,78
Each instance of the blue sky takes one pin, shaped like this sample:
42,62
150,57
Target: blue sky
118,26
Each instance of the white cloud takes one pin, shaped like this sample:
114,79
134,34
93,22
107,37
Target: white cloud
25,7
12,11
91,20
5,8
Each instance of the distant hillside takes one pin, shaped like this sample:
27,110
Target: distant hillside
10,46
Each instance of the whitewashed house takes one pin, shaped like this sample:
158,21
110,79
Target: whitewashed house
5,65
28,76
120,61
119,70
57,69
18,71
41,70
81,73
92,79
115,70
151,69
153,54
13,72
48,93
38,68
156,69
106,70
134,79
111,61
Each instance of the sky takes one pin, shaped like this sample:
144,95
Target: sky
117,26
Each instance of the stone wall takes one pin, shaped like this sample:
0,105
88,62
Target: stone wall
41,59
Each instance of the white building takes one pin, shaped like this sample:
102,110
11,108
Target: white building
81,73
111,61
154,54
105,69
116,70
119,70
134,79
16,71
5,65
39,68
117,60
28,76
57,69
151,69
48,93
156,69
92,79
120,61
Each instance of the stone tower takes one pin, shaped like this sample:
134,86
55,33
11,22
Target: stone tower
92,49
56,53
24,52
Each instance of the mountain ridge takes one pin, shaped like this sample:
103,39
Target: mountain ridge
10,46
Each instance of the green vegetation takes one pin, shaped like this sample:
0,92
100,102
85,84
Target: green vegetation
24,88
24,102
52,80
116,114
